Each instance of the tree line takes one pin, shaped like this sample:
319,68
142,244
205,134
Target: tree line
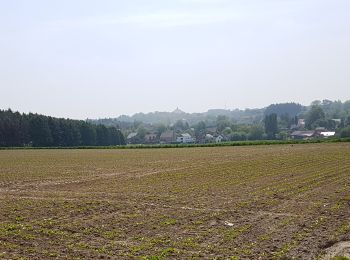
35,130
277,122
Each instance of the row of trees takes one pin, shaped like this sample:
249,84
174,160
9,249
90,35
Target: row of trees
43,131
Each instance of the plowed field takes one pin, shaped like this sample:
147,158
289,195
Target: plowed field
257,202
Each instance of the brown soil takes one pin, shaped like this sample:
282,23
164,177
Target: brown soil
263,202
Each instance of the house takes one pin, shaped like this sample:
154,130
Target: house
301,123
219,139
185,139
327,134
131,138
151,138
209,138
303,134
167,137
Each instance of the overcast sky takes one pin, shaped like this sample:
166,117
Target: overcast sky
103,58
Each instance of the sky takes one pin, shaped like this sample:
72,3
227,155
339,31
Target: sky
103,58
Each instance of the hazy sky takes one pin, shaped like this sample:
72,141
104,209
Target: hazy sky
102,58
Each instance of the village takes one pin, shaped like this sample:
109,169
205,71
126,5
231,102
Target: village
176,135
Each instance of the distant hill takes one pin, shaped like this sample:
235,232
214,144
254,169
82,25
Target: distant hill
292,109
246,116
333,109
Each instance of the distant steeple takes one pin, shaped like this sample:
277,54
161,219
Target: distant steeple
178,111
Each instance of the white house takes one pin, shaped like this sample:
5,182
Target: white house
131,135
131,138
219,139
209,138
185,138
301,123
327,134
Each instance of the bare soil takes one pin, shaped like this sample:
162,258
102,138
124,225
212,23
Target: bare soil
258,202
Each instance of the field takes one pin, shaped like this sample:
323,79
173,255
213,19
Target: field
256,202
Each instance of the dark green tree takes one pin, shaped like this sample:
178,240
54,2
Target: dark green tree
256,132
271,127
315,113
222,122
345,132
102,135
88,134
39,130
199,131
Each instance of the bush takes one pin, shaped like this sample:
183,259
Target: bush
345,132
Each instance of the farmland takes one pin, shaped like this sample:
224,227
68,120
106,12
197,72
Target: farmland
266,202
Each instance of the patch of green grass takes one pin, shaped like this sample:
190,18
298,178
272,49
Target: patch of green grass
53,232
340,258
189,242
265,237
132,215
232,143
344,228
235,232
15,229
10,227
8,245
112,234
91,231
19,218
46,223
243,204
337,206
169,221
153,257
283,251
104,250
53,254
169,251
